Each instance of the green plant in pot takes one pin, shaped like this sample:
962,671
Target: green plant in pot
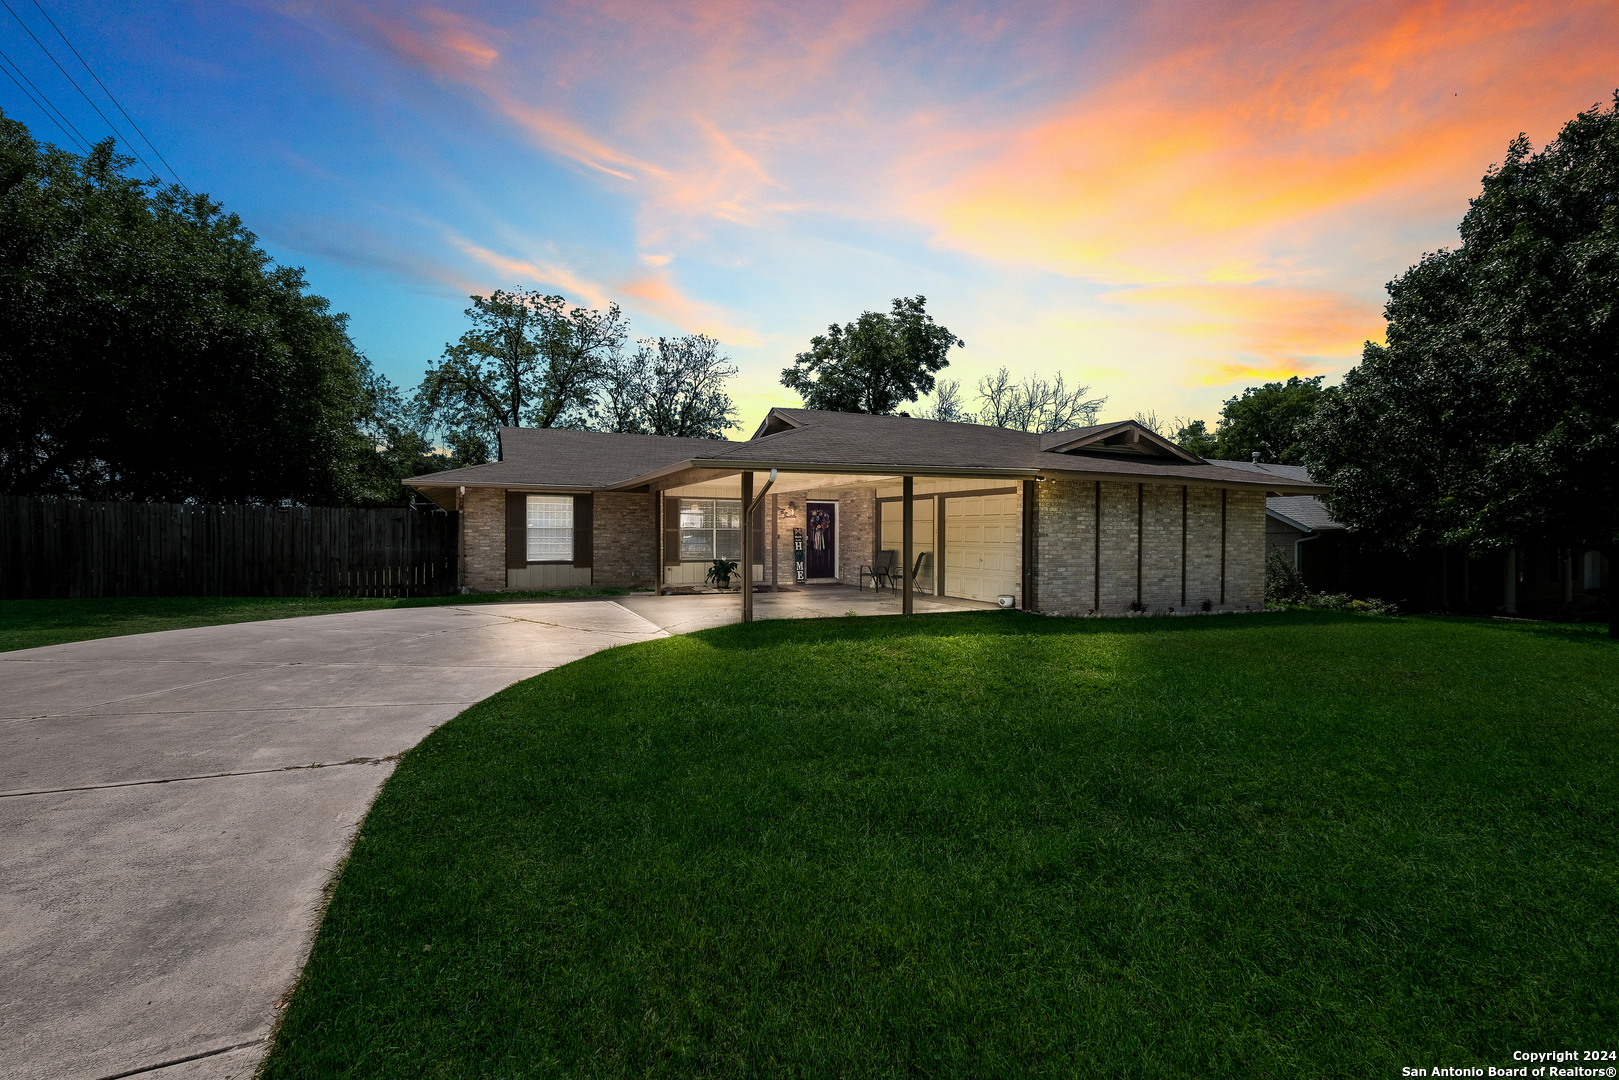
720,573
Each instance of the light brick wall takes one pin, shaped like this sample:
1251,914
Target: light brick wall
1202,547
483,540
624,543
1245,550
1066,539
857,530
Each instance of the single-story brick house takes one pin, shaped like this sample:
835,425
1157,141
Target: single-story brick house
1103,519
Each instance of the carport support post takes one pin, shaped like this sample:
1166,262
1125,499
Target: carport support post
909,518
747,546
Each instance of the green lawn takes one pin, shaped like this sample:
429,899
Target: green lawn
994,845
27,624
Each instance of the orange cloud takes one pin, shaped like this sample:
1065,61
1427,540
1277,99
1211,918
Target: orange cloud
1264,331
1201,163
653,294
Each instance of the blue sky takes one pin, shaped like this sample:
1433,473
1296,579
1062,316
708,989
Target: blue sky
1166,201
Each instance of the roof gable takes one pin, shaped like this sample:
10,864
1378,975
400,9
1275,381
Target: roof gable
1126,437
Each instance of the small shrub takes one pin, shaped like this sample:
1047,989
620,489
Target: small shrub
1283,584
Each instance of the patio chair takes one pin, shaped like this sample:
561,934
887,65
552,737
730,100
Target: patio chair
916,571
879,570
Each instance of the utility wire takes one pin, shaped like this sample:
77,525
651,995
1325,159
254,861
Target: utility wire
44,105
110,98
76,86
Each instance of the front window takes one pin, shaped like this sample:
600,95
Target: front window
550,528
710,529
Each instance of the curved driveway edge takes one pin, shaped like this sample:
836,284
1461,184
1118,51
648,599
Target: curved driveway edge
172,805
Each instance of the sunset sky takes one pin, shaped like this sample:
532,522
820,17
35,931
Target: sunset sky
1167,201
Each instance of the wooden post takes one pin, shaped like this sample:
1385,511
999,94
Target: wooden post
908,518
747,546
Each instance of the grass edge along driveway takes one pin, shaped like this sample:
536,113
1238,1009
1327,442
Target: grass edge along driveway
989,844
29,624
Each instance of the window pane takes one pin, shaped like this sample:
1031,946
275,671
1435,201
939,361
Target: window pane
696,513
728,543
727,513
550,528
696,545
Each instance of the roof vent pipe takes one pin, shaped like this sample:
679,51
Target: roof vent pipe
1256,457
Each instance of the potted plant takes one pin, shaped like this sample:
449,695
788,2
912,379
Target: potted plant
720,573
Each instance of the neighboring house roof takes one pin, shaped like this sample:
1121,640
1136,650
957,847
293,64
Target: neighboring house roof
1284,472
1304,512
810,440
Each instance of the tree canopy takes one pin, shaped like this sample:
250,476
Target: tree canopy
1492,413
150,350
1035,404
875,363
1267,420
669,386
529,360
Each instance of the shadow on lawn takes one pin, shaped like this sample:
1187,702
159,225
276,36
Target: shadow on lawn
773,632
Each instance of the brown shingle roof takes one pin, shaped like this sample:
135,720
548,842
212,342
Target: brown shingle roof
808,439
557,457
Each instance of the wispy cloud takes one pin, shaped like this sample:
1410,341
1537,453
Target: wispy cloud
1223,184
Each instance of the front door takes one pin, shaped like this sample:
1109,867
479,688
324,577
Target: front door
821,553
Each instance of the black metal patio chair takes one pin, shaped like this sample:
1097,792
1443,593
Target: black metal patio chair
879,570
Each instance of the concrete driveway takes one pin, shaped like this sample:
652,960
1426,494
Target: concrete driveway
172,805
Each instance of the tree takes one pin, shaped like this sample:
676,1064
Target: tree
149,349
946,404
1267,419
1195,436
669,386
401,446
529,359
1150,421
874,363
1492,413
1035,404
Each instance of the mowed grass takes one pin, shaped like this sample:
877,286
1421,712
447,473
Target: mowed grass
28,624
993,845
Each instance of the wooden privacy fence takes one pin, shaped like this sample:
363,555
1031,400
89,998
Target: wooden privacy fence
65,548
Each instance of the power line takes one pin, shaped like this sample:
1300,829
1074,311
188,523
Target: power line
56,117
110,98
76,86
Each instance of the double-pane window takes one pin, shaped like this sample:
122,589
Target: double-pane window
710,529
550,528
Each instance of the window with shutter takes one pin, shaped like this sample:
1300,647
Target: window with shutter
550,528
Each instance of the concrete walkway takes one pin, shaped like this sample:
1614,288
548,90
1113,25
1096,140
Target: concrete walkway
172,805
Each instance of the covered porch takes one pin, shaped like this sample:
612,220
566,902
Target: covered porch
936,539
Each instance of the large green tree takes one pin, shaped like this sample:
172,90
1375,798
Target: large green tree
529,360
149,349
1492,413
1266,420
669,386
874,364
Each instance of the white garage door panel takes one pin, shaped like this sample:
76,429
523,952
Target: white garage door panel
983,547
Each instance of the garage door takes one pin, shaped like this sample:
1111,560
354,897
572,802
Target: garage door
983,547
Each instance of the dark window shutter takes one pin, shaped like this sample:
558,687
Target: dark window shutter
759,535
671,532
584,529
516,530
